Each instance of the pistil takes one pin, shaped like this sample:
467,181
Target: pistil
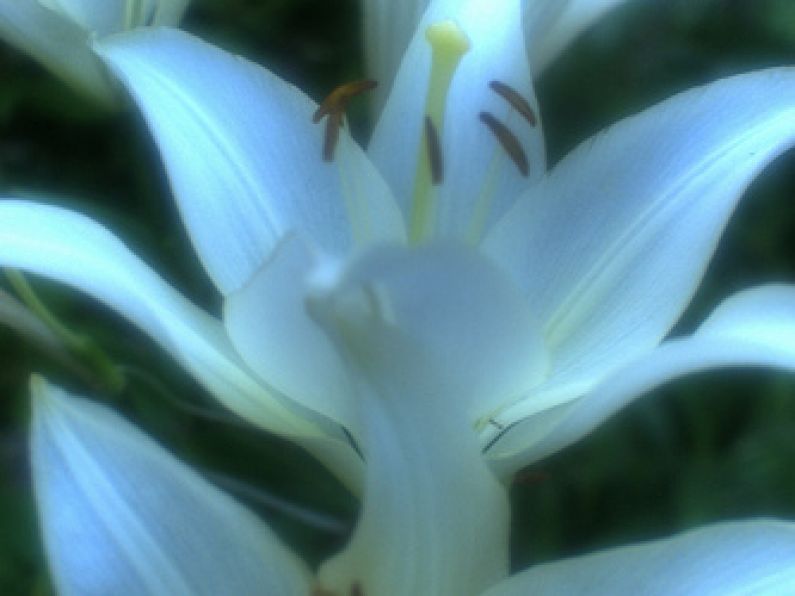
448,45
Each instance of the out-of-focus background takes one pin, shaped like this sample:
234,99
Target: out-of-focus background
707,448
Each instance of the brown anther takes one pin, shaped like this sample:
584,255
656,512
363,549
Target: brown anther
434,152
356,589
337,101
332,137
519,103
508,141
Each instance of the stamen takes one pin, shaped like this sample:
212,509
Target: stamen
356,589
519,103
434,152
338,100
332,137
508,141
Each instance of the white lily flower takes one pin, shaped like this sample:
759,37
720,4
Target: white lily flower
121,516
59,33
270,176
427,308
605,251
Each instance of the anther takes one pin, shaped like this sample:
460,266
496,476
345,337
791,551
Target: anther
434,152
508,140
337,101
518,103
356,589
332,136
333,108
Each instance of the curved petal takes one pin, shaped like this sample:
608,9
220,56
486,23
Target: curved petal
58,43
244,157
551,25
752,328
268,324
745,557
122,516
612,246
74,250
480,182
434,519
459,305
388,28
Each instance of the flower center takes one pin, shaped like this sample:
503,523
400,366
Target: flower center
429,202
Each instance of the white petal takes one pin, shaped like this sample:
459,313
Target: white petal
434,520
388,28
74,250
551,25
244,157
470,319
269,326
745,557
462,308
56,42
478,174
752,328
612,245
121,516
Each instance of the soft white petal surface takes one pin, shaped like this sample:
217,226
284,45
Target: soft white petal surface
434,519
480,181
732,558
551,25
121,516
244,157
269,326
469,317
611,246
58,43
388,28
752,328
466,311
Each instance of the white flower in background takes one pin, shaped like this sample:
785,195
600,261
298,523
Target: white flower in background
121,516
59,33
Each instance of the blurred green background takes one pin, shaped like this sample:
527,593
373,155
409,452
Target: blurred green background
711,447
